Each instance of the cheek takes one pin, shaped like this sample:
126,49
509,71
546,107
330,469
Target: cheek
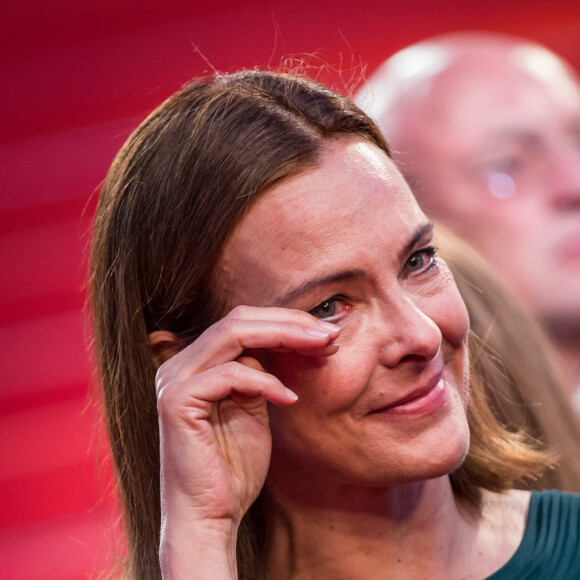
455,321
454,318
464,379
326,386
293,435
303,374
455,330
447,310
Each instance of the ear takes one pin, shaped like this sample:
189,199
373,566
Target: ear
164,345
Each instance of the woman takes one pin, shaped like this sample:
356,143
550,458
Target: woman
311,415
521,372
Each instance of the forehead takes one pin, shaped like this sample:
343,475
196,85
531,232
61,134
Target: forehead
484,94
327,219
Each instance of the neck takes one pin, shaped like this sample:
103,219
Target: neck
361,533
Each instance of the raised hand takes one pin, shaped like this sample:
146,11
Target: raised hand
215,439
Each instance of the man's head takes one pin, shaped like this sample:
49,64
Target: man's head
487,130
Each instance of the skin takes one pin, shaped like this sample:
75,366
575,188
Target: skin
343,302
502,116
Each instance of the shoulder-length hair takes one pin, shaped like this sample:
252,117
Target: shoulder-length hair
516,364
173,195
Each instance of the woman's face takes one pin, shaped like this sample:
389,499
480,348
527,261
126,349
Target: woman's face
347,242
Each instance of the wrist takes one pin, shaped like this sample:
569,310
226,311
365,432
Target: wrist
202,549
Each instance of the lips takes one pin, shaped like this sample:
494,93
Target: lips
420,401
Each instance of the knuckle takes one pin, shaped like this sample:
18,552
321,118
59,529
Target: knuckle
226,326
164,375
231,370
240,311
166,400
159,379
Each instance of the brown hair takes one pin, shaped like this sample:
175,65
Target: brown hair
173,195
516,363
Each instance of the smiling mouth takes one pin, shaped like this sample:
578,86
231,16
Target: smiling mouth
420,402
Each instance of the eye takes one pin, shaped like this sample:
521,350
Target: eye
330,308
421,261
509,164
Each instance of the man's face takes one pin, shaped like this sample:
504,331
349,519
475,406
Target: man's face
496,157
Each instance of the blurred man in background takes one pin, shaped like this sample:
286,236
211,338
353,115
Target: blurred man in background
487,130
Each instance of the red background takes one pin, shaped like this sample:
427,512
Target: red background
76,76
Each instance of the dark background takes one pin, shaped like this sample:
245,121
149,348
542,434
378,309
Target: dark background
75,77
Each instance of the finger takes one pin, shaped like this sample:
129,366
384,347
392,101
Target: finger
313,351
238,335
196,395
227,339
271,313
250,362
318,352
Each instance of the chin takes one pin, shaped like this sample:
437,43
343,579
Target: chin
422,464
448,465
441,458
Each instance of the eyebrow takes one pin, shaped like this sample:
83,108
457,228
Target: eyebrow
524,135
518,135
343,275
350,275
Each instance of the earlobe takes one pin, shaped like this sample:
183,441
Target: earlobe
164,345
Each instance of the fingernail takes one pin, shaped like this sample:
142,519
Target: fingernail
328,326
316,332
291,394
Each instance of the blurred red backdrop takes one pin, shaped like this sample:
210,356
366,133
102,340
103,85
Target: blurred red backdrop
77,77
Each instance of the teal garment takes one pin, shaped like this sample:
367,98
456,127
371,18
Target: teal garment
550,548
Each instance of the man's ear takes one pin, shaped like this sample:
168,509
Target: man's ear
164,345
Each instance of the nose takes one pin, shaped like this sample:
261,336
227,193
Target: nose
564,181
407,334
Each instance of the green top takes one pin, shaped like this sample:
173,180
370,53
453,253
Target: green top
550,548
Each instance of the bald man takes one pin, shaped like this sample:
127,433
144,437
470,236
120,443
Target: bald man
487,130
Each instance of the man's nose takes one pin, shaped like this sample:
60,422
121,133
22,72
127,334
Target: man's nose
408,334
563,179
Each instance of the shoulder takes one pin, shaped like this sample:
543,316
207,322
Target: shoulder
554,512
550,546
